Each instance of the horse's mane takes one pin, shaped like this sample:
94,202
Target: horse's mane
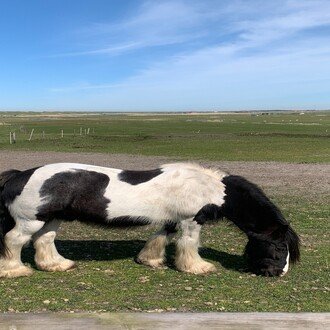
247,206
211,171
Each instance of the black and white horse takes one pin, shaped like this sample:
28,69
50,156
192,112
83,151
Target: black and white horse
174,196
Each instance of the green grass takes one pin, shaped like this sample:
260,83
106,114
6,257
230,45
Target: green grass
107,279
276,137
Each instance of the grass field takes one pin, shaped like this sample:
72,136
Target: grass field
276,136
107,279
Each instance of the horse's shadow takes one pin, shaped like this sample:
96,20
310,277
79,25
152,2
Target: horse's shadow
128,249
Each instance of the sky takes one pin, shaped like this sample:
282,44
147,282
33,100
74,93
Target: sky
171,55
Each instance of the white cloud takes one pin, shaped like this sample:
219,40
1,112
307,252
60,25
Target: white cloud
114,50
286,25
157,23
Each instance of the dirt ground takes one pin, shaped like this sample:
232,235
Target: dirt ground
308,180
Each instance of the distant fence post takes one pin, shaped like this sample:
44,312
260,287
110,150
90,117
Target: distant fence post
88,130
31,134
10,138
80,130
62,133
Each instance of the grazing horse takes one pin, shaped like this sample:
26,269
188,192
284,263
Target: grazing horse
173,196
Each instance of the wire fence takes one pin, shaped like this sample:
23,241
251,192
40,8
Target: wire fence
17,135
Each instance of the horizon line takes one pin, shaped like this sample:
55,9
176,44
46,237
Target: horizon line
162,111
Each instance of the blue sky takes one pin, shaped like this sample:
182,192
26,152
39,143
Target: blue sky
164,55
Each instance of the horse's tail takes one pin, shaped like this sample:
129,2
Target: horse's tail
6,221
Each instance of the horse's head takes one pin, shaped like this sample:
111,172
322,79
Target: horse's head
267,258
269,255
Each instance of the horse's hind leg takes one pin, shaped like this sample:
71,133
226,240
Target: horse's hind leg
47,258
187,258
11,264
153,253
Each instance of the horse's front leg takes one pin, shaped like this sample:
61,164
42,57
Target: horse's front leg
153,253
187,258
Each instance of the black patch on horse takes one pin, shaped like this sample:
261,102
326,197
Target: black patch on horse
249,208
76,195
128,221
7,223
12,183
137,177
209,212
171,227
15,184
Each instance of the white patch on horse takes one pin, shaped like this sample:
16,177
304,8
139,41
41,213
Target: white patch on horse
286,267
177,193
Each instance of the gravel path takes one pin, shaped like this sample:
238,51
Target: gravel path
310,180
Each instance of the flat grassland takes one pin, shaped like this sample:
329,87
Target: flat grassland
274,136
287,158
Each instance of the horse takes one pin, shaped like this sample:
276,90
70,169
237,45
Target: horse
174,196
